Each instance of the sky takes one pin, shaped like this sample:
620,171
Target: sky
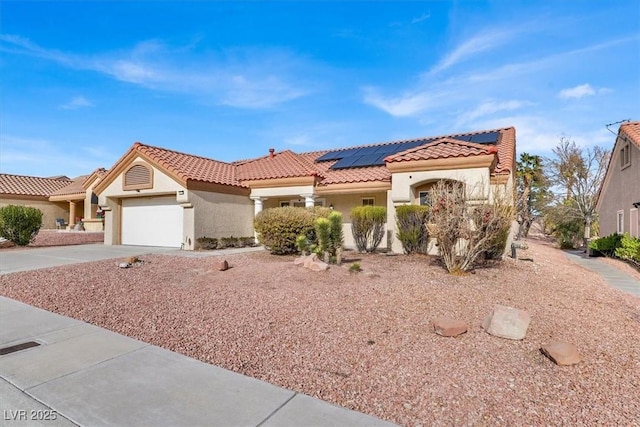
81,81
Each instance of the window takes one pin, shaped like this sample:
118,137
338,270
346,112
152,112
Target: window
425,198
368,201
299,203
139,176
634,223
620,222
625,155
283,204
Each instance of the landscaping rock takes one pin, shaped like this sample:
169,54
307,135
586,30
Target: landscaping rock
132,259
448,327
124,265
310,260
300,260
222,265
561,353
318,266
507,322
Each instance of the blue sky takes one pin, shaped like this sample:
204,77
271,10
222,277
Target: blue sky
80,81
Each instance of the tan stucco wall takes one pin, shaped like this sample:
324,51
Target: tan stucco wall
622,189
221,215
50,210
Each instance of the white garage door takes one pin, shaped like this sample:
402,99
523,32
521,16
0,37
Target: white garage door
152,221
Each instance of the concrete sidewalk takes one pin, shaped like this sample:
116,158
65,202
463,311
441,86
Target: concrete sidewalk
613,276
85,375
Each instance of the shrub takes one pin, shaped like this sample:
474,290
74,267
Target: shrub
629,249
499,242
20,224
207,243
607,245
411,221
367,226
355,267
465,231
278,228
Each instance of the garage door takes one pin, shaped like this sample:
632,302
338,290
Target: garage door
152,221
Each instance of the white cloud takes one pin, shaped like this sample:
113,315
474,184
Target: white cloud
401,106
298,140
477,44
577,92
491,107
77,102
245,78
421,18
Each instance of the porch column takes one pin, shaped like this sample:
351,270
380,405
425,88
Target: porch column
72,215
309,200
257,208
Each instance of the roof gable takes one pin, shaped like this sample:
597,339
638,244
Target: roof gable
182,167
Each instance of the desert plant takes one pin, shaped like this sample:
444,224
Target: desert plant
330,238
355,267
464,231
367,226
411,222
20,224
303,244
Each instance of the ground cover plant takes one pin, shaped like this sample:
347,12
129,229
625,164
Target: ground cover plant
365,340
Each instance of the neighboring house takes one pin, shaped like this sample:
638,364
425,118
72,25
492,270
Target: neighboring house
158,197
619,198
59,198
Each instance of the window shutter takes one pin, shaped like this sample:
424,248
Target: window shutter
138,177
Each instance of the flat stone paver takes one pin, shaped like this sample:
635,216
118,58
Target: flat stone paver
90,376
613,276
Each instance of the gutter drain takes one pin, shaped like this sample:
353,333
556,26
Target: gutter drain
18,347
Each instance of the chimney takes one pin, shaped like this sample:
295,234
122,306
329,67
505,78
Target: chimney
271,151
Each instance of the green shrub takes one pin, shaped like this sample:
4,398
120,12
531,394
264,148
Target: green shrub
629,249
411,221
20,224
355,267
211,243
367,226
499,242
278,228
607,245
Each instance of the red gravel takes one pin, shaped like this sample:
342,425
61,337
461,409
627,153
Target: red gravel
60,238
365,340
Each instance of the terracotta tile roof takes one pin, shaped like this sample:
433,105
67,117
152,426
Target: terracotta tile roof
632,130
74,188
442,149
285,164
30,185
506,151
189,167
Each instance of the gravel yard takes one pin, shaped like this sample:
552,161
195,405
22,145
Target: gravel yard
59,238
365,340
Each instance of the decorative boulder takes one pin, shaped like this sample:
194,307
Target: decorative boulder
310,260
222,265
132,259
507,322
448,327
124,265
318,266
561,353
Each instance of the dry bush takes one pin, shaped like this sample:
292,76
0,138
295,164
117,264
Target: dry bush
465,228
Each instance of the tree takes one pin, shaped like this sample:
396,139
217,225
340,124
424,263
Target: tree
532,188
577,174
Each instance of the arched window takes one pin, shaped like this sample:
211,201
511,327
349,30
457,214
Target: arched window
139,176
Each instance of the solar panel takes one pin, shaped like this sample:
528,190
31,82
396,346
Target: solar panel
331,155
347,162
485,138
363,161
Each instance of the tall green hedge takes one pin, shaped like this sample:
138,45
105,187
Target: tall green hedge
20,224
367,226
278,228
411,221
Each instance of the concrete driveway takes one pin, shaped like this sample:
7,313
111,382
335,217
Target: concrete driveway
12,261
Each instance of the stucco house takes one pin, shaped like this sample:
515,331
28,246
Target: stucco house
159,197
619,197
59,198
